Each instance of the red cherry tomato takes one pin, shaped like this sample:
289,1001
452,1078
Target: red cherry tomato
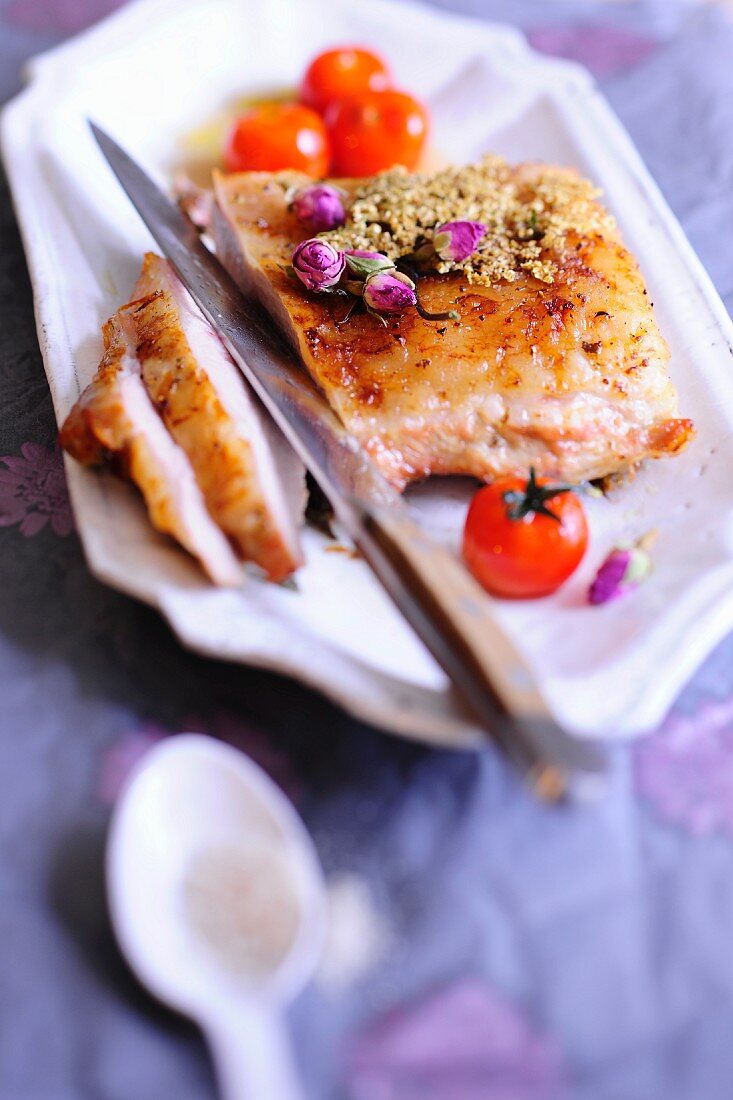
277,136
339,73
373,130
511,544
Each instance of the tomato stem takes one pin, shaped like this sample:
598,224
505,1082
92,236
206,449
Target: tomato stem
532,500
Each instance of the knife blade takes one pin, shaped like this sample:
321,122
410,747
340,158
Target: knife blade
443,604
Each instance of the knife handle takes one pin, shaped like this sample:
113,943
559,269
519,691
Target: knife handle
451,614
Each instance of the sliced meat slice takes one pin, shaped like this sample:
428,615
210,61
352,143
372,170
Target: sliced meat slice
253,483
114,420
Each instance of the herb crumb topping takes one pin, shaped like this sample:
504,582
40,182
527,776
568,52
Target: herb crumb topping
529,211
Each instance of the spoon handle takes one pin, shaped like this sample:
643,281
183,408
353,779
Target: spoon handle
253,1056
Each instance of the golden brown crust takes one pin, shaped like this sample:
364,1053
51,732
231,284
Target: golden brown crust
95,428
190,406
76,437
101,429
570,376
153,413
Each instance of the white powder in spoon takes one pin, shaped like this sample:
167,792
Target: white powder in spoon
242,902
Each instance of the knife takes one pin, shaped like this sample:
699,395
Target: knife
441,601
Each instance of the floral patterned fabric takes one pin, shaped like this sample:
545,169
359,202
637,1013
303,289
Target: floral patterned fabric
531,954
33,491
464,1041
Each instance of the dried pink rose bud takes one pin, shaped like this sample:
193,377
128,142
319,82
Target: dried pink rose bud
389,292
363,264
456,241
319,206
623,570
318,265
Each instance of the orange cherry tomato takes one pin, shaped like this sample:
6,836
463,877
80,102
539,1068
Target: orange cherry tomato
374,130
523,539
277,136
339,73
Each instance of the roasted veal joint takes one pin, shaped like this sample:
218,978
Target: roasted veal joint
190,393
114,421
555,360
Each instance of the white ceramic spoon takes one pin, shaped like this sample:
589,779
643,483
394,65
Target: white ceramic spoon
192,803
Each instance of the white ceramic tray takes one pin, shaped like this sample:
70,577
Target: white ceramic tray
161,67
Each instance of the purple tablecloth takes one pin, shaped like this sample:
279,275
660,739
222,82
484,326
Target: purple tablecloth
500,951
